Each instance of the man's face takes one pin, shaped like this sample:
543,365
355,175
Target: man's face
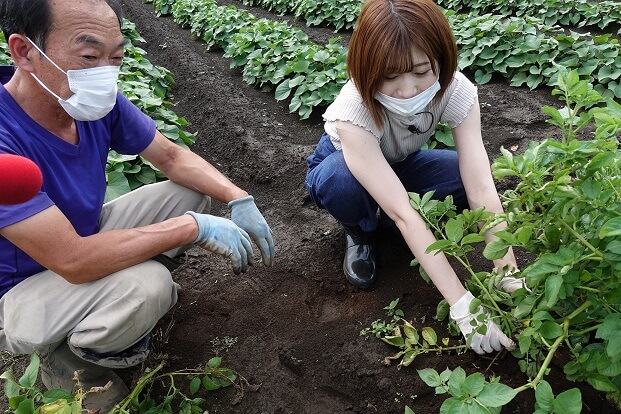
84,34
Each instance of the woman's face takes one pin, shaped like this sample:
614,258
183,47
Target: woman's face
409,84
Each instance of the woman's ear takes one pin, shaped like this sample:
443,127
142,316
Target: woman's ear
21,50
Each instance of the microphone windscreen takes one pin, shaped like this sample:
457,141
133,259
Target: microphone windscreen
20,179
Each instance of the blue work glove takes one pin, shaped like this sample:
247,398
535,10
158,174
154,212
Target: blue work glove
222,236
245,214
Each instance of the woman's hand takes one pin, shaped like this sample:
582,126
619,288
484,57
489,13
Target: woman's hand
468,322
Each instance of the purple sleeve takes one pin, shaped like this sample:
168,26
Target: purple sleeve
13,213
132,131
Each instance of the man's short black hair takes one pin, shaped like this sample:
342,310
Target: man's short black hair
33,18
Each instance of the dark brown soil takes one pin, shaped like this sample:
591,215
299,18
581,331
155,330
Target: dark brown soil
295,326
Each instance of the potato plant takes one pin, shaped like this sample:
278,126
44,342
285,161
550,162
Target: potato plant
566,211
25,397
566,12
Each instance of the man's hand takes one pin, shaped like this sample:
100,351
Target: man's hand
247,216
222,236
493,340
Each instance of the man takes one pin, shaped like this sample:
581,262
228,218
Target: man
76,278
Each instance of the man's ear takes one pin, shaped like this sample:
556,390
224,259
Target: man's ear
21,50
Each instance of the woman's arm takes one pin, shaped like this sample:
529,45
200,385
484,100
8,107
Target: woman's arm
476,175
367,163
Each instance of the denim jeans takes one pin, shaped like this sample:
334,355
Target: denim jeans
333,187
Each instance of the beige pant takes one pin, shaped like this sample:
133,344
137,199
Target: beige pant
110,314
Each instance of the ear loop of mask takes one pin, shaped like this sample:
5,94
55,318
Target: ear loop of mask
49,60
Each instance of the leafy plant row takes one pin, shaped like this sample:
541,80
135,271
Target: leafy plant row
338,14
147,86
565,12
5,56
272,55
343,14
522,49
526,51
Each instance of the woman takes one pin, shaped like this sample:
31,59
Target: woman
402,63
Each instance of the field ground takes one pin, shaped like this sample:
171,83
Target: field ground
292,330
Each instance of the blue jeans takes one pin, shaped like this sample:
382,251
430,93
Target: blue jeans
333,187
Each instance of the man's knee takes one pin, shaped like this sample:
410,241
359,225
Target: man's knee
151,284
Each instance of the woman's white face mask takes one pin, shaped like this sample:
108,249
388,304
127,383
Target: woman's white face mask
410,106
94,90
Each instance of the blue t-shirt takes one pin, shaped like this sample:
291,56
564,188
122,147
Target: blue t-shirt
73,175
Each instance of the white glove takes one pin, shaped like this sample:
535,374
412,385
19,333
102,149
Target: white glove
510,284
493,340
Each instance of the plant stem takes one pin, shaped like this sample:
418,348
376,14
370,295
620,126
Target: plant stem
583,240
481,285
546,362
554,347
588,289
589,329
142,382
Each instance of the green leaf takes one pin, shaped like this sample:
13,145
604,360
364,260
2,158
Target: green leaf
544,396
496,249
442,310
611,228
456,380
551,330
429,335
610,330
26,407
496,395
438,246
210,384
473,384
195,385
568,402
57,394
601,383
553,286
454,230
16,400
29,378
472,238
453,406
525,307
214,362
117,185
430,377
282,91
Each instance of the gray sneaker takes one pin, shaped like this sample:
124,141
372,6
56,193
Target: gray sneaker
63,368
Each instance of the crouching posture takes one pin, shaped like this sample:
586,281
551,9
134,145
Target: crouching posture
78,282
402,65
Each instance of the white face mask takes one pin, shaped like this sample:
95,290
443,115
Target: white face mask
94,90
409,106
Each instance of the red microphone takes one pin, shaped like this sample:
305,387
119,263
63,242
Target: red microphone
20,179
